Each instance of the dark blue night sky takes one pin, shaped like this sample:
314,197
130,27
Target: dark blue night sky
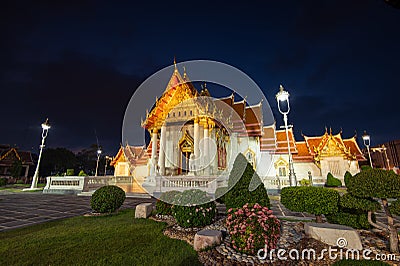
79,62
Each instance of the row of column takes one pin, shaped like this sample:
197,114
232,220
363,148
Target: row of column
161,163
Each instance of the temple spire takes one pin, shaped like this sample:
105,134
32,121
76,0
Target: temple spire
176,69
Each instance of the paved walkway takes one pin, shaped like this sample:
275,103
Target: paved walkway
23,209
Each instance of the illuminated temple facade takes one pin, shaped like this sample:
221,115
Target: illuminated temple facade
195,137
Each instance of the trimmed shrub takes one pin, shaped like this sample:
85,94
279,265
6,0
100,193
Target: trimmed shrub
70,172
220,194
347,176
313,200
332,181
305,182
252,227
382,184
188,214
351,202
3,181
376,183
240,183
365,167
164,204
360,263
395,207
82,173
107,199
357,221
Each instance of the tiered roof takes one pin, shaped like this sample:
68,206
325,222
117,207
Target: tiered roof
9,155
135,155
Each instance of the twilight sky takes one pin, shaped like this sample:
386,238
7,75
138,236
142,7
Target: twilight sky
79,62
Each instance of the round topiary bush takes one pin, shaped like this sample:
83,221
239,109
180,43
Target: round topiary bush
107,199
188,214
253,227
164,204
332,181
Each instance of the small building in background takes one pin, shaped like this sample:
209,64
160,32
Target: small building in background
14,163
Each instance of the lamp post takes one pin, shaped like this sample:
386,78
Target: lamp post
107,158
45,130
367,141
282,97
98,159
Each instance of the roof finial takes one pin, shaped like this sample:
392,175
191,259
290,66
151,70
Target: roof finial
175,62
184,72
330,130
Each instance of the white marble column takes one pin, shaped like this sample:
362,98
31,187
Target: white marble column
153,152
162,149
196,142
206,160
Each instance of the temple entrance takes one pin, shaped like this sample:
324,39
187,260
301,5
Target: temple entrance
186,147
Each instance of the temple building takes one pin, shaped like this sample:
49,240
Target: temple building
195,138
10,158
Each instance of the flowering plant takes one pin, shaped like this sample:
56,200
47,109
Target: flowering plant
252,227
190,209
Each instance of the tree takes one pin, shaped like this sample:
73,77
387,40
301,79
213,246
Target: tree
87,160
57,161
240,186
384,185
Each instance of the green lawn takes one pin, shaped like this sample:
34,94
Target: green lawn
19,187
108,240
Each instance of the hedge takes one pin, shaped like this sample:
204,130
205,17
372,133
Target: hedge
313,200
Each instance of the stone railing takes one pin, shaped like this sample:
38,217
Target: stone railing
74,184
160,184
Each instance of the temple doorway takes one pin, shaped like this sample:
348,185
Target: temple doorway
186,148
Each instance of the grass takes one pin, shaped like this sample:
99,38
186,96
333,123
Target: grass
109,240
18,187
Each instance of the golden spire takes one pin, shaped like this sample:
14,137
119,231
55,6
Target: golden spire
184,73
175,63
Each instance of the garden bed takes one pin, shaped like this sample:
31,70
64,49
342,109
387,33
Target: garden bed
292,237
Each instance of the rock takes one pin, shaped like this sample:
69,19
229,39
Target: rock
143,210
206,238
334,235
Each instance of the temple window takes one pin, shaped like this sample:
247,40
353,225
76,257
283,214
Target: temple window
251,157
282,171
173,114
179,113
191,112
184,114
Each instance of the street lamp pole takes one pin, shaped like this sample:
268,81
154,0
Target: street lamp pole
45,130
107,158
283,96
367,141
98,159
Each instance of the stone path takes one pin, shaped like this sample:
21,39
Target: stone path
23,209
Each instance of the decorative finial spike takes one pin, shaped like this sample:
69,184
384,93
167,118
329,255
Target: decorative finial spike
184,72
281,87
175,62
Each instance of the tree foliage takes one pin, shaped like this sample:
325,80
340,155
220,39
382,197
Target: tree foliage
239,186
375,183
